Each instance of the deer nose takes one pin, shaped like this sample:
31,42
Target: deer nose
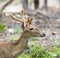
43,35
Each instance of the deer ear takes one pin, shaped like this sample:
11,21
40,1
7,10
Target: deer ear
29,21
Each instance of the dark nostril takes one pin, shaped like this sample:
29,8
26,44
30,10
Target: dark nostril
44,34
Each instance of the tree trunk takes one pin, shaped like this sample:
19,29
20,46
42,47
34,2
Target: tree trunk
36,4
45,5
25,4
59,4
6,3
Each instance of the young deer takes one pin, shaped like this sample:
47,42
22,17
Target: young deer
10,50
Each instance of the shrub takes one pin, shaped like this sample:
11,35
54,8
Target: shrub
2,27
56,50
36,51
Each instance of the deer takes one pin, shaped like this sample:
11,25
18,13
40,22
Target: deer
10,50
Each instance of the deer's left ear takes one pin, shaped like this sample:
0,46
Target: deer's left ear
29,21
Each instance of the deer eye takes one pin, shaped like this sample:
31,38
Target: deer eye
31,28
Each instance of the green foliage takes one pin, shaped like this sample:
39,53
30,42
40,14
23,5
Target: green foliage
36,51
2,27
2,1
18,1
12,39
24,55
56,50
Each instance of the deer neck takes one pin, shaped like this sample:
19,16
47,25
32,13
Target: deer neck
21,44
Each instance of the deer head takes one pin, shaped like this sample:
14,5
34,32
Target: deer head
32,30
10,50
27,25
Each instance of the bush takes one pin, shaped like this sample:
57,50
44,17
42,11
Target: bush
2,27
56,50
36,51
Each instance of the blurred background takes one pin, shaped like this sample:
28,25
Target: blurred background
45,14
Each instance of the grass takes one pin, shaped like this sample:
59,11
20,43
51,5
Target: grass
2,27
36,51
56,50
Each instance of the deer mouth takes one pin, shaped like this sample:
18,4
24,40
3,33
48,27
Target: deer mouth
41,35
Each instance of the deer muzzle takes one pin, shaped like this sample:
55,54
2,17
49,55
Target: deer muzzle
43,35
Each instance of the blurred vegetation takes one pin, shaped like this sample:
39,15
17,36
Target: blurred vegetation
2,27
18,1
17,29
1,1
56,50
36,51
